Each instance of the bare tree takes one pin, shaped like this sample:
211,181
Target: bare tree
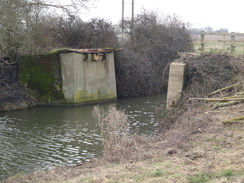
26,27
75,33
21,23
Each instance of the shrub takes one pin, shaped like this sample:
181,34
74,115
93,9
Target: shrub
75,33
209,72
150,46
114,130
119,144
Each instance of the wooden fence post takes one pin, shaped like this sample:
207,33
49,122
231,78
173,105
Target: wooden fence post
224,43
202,42
232,43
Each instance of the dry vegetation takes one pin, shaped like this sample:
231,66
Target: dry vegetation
152,44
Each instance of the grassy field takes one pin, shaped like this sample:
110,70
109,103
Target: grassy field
219,43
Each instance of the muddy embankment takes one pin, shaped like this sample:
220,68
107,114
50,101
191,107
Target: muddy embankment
15,98
12,96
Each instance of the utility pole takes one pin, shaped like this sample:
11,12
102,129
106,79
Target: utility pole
123,16
132,16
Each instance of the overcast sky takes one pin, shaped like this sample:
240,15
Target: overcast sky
214,13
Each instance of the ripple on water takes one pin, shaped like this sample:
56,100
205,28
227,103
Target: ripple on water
45,137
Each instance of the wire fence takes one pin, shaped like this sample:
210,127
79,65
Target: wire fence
232,43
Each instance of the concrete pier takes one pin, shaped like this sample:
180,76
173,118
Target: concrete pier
71,76
175,83
88,76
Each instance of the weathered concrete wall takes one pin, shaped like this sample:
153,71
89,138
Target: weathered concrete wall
67,73
175,84
87,80
41,74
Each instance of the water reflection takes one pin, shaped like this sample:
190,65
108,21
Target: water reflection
44,137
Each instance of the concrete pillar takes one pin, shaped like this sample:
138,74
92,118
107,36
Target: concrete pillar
88,78
175,83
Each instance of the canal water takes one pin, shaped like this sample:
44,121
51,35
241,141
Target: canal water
44,137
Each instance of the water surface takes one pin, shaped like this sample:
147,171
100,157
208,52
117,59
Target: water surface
45,137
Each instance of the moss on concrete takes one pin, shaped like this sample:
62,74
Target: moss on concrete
98,95
42,74
57,50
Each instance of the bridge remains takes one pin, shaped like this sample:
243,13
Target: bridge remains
175,83
71,76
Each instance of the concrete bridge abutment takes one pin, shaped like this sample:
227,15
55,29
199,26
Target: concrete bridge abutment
175,83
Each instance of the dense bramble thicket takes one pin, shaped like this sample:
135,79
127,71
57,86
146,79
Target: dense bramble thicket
209,72
149,47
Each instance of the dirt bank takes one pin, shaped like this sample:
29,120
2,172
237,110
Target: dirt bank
15,98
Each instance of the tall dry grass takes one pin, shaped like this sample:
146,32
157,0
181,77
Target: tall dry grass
114,128
118,143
